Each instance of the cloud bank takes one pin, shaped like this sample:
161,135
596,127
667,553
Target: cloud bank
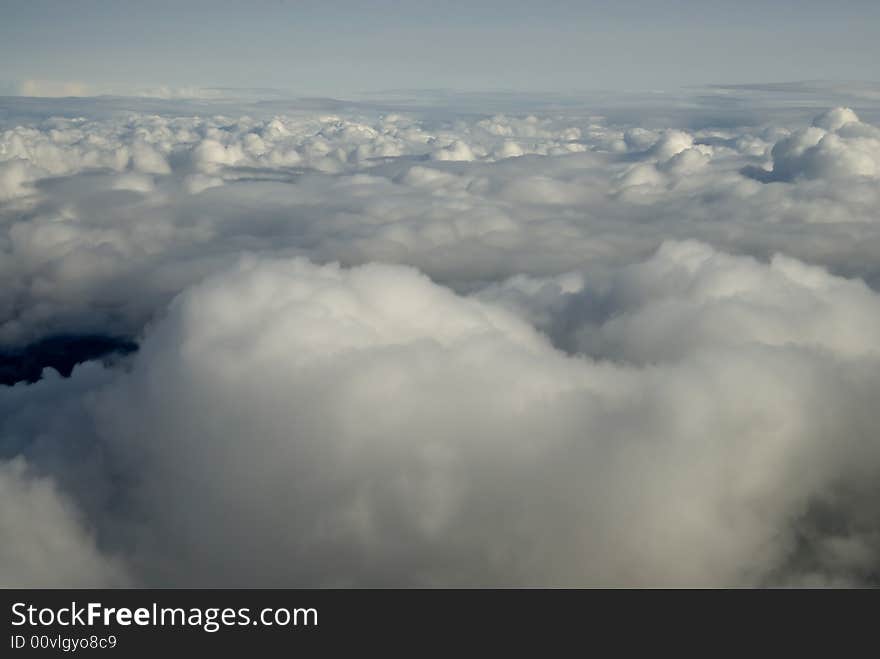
409,349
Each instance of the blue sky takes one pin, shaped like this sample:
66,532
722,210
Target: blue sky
347,47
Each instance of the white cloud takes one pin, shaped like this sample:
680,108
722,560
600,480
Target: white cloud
561,349
14,178
836,146
283,413
580,189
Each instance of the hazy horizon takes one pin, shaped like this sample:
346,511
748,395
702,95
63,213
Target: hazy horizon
347,48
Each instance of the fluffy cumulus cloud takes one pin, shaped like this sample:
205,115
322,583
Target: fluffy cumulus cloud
387,347
837,145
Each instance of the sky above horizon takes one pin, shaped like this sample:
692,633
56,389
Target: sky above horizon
310,47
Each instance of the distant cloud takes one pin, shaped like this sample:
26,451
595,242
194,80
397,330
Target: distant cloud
52,89
837,146
64,89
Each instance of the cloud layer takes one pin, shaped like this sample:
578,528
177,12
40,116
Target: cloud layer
414,349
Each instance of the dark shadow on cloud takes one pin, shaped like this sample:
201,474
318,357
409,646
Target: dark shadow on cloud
259,174
841,527
60,352
760,174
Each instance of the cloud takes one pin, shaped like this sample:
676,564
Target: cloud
322,426
45,544
465,201
52,89
836,146
14,178
70,88
440,348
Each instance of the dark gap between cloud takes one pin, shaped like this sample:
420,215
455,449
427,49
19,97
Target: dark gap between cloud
61,352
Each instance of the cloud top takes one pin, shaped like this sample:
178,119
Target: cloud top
387,349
